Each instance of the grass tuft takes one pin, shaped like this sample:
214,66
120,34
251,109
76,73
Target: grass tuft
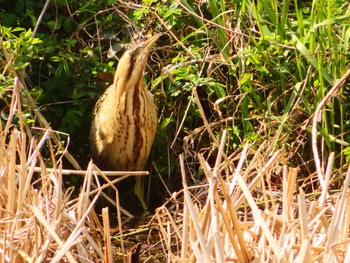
38,220
238,216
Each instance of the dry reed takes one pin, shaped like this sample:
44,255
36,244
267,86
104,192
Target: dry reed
239,217
38,221
243,218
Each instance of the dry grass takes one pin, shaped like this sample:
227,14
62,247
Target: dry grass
238,215
38,221
244,218
252,208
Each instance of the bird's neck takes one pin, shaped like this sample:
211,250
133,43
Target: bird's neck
124,85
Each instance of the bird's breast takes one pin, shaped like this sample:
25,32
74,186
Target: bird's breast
126,129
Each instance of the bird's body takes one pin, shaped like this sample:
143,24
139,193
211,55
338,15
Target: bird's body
123,130
125,118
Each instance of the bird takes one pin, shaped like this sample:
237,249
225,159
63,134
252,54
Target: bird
124,120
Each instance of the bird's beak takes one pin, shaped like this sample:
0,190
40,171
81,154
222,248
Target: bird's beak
149,43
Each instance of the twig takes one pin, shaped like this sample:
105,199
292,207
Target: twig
41,17
83,172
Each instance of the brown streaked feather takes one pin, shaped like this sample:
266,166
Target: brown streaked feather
125,117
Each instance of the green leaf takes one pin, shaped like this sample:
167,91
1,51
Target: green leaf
219,89
54,25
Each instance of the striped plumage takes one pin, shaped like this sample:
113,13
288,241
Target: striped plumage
125,118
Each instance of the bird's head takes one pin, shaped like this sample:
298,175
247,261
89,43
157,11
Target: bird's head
132,64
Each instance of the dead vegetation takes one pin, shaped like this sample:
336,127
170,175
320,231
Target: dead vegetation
39,222
241,217
244,215
238,215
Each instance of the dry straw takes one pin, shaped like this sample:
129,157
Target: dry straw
38,223
237,215
240,220
242,217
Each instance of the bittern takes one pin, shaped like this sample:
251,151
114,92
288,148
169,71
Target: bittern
125,118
